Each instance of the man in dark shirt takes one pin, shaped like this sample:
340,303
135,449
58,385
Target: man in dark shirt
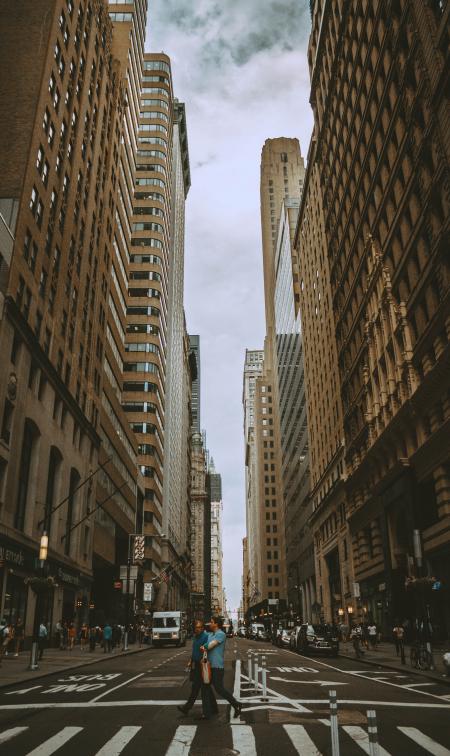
209,703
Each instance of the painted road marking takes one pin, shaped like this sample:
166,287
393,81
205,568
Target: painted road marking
301,740
116,744
322,683
296,669
22,691
8,734
361,738
182,741
372,679
243,740
52,744
427,743
236,689
116,687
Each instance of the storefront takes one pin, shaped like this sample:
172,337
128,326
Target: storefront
67,599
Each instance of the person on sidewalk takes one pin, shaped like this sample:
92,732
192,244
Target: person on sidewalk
19,636
200,638
357,636
216,656
372,630
107,638
72,633
84,636
4,639
92,638
42,639
399,638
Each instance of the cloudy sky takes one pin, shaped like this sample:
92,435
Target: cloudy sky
240,67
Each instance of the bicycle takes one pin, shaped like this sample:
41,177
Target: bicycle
420,657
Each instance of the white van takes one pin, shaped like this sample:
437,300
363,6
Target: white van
169,627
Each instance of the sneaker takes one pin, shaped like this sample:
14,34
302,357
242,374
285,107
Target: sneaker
16,654
183,710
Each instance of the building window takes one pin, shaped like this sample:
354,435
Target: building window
73,485
30,436
7,421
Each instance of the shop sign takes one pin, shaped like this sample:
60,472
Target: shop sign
148,591
382,587
13,553
68,577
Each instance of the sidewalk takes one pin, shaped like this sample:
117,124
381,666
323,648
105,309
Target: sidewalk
15,670
385,656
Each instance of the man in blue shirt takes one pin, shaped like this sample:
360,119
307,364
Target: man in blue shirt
215,647
209,703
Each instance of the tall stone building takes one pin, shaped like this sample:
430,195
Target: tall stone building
328,522
295,467
216,539
61,115
200,527
379,75
253,366
195,347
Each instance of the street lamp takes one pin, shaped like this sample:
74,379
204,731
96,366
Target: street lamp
43,553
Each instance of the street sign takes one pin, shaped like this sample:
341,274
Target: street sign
118,584
138,548
133,572
130,586
148,591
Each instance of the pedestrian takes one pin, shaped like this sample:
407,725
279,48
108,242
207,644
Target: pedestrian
72,634
4,639
19,635
84,636
372,630
209,703
116,636
356,636
365,635
215,647
58,634
107,638
65,636
92,638
344,632
42,639
399,638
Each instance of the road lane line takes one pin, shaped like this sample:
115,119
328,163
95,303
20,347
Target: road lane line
52,744
182,741
9,734
361,738
301,741
423,740
243,740
117,743
283,699
116,687
365,677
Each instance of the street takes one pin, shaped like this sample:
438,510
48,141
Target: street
128,704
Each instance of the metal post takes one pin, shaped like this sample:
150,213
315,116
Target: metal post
35,642
264,680
127,615
249,666
373,733
256,672
334,723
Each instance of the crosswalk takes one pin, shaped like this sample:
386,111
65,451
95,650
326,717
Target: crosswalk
299,740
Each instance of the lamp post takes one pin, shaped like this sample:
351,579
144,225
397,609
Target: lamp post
43,553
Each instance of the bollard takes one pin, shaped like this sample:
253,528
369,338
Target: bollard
373,732
256,672
334,723
249,666
264,680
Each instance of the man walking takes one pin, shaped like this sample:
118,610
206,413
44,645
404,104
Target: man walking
215,647
200,638
42,639
107,638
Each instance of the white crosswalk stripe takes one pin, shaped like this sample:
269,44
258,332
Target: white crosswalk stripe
244,740
181,743
8,734
117,743
301,740
426,742
360,736
52,744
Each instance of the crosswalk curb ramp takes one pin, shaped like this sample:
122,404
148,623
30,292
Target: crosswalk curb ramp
298,739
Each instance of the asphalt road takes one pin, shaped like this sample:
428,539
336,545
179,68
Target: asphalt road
129,705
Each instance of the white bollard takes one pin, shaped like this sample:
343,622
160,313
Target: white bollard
249,666
334,723
264,680
373,733
256,672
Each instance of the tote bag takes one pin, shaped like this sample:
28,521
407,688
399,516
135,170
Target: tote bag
205,668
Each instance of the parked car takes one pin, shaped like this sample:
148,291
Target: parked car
294,636
263,634
318,637
283,637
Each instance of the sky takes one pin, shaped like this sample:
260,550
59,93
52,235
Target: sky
241,68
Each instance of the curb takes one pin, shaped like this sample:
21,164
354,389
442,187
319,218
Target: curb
40,676
373,663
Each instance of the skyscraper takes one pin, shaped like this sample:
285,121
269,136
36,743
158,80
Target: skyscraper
195,347
215,487
383,160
